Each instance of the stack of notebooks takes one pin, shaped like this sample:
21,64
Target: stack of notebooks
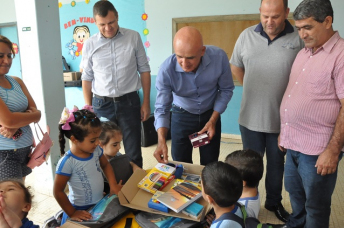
180,196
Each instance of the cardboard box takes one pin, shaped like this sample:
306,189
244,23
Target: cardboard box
71,76
136,198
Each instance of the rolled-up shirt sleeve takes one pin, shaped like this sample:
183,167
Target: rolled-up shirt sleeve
142,61
86,63
225,87
164,99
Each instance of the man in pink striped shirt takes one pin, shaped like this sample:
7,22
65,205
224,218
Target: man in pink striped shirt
312,116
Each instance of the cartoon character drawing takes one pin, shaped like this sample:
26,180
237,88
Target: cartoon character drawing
80,35
70,46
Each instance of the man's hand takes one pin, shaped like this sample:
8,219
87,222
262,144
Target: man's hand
7,132
161,153
209,128
327,162
145,112
81,216
280,147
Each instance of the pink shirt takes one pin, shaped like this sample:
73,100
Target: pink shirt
311,102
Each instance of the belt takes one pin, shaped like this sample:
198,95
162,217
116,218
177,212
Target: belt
115,99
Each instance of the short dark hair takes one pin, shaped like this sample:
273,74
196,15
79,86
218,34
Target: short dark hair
250,165
109,128
102,8
222,182
285,3
317,9
9,44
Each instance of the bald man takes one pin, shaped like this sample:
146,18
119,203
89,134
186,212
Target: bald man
262,59
195,84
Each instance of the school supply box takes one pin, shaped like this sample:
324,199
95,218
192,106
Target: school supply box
134,197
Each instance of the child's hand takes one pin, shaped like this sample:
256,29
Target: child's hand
8,218
116,188
81,216
3,222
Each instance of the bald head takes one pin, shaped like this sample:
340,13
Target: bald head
188,47
272,16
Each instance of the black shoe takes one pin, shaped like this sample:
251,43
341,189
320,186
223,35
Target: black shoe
279,211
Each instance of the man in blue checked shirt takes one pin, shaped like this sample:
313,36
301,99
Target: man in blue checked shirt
195,84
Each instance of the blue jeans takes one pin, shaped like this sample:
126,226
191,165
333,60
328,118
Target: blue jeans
125,113
309,192
184,124
261,142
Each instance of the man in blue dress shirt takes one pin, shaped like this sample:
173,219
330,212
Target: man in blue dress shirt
195,84
115,67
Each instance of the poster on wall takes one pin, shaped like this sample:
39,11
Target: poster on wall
77,25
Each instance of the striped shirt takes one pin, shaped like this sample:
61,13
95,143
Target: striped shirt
16,101
311,103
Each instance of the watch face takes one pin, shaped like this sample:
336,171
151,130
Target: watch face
199,140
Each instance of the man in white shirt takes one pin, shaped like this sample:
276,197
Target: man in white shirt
115,67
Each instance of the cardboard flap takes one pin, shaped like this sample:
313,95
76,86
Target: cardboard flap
130,188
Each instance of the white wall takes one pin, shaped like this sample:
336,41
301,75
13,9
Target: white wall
7,12
160,14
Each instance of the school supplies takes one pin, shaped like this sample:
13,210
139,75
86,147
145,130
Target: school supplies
105,213
180,196
156,178
193,210
199,140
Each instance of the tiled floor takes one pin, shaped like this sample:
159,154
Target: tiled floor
45,206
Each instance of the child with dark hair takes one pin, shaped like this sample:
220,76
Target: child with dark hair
250,165
81,167
15,204
221,188
110,141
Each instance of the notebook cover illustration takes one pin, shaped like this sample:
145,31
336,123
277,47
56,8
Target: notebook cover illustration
180,196
156,178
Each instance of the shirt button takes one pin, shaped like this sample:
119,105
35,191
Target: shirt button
303,69
289,95
296,82
286,123
285,109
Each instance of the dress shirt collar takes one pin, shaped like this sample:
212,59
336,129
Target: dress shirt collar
327,47
205,60
288,28
120,31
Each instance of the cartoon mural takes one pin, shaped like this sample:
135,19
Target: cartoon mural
80,35
77,24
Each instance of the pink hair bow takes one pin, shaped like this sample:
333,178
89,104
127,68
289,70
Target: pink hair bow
88,107
67,117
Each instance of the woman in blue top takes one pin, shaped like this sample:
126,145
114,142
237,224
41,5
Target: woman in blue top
17,111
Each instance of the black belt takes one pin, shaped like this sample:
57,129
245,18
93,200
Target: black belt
121,98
